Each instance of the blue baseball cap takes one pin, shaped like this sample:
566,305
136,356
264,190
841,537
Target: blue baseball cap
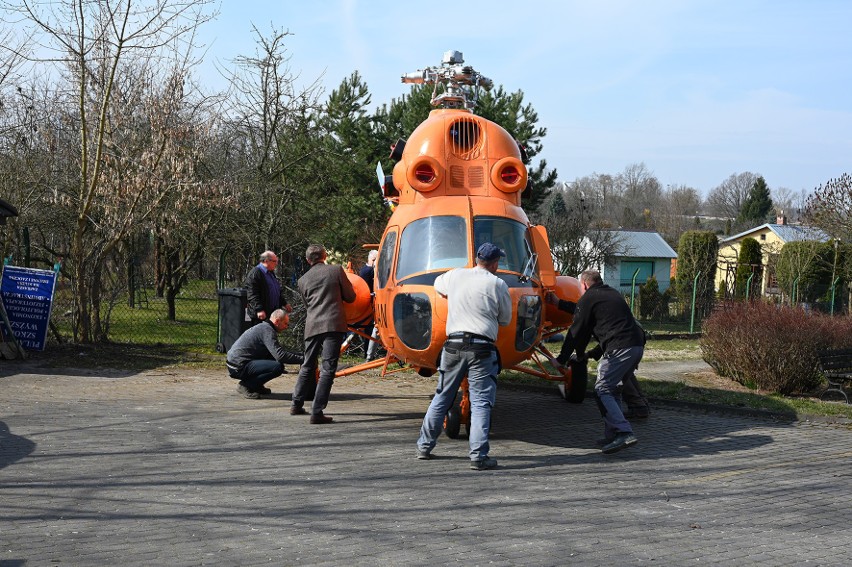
489,252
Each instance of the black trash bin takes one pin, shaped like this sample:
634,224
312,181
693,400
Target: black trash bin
232,316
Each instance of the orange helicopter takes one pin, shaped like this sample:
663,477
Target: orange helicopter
457,183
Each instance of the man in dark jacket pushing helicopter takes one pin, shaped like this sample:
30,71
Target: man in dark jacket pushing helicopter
602,312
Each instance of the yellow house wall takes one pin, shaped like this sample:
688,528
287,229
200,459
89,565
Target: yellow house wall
729,252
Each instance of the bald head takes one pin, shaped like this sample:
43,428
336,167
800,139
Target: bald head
279,319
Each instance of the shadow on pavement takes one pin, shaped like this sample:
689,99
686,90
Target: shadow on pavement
13,447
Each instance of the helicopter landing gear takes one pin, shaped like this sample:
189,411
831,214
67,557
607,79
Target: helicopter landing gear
459,414
575,391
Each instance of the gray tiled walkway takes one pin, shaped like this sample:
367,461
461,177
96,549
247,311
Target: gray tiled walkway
172,468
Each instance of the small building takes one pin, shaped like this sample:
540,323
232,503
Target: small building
772,237
645,251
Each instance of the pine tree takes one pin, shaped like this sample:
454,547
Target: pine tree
758,203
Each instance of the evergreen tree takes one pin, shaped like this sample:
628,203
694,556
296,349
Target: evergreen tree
748,263
697,251
758,203
346,185
520,120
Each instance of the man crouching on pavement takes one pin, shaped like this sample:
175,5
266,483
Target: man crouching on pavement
603,312
257,357
477,303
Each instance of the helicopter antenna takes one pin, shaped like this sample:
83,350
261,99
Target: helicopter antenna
458,80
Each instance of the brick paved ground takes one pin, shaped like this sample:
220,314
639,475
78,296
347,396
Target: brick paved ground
172,468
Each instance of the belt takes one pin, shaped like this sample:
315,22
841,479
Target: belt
469,338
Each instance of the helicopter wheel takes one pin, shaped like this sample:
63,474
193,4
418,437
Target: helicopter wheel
579,380
452,423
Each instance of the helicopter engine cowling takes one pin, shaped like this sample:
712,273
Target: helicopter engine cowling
360,311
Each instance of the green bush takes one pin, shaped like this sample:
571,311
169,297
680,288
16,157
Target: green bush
654,305
809,264
771,347
697,251
748,263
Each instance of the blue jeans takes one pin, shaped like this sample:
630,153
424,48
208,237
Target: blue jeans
256,373
614,367
327,347
479,364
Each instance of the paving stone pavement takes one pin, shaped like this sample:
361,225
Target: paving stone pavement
171,467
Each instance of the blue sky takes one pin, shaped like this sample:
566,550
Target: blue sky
696,90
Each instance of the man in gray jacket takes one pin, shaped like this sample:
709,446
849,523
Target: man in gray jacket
257,357
324,288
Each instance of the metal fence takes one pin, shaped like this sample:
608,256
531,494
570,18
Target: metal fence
666,312
134,311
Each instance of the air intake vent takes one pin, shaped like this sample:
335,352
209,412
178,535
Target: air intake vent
477,177
456,177
465,138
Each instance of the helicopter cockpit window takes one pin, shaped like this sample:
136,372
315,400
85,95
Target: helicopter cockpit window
510,235
432,243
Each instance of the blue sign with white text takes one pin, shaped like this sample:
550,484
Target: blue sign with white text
27,296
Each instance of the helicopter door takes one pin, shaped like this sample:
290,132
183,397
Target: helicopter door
541,246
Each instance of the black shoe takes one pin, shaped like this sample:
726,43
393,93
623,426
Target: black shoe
246,393
621,441
637,413
296,410
604,441
320,419
483,464
424,455
263,390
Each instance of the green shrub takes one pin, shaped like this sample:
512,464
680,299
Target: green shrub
808,263
697,251
654,305
772,347
748,263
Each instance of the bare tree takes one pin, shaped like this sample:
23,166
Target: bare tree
269,127
602,197
577,240
640,193
676,212
728,198
830,207
106,53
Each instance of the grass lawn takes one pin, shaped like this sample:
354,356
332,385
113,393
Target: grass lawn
708,388
147,323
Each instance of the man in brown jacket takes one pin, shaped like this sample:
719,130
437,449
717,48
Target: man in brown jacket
324,289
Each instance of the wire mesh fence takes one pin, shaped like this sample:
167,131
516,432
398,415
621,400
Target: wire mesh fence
133,310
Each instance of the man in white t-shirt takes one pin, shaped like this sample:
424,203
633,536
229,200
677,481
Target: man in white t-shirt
478,302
